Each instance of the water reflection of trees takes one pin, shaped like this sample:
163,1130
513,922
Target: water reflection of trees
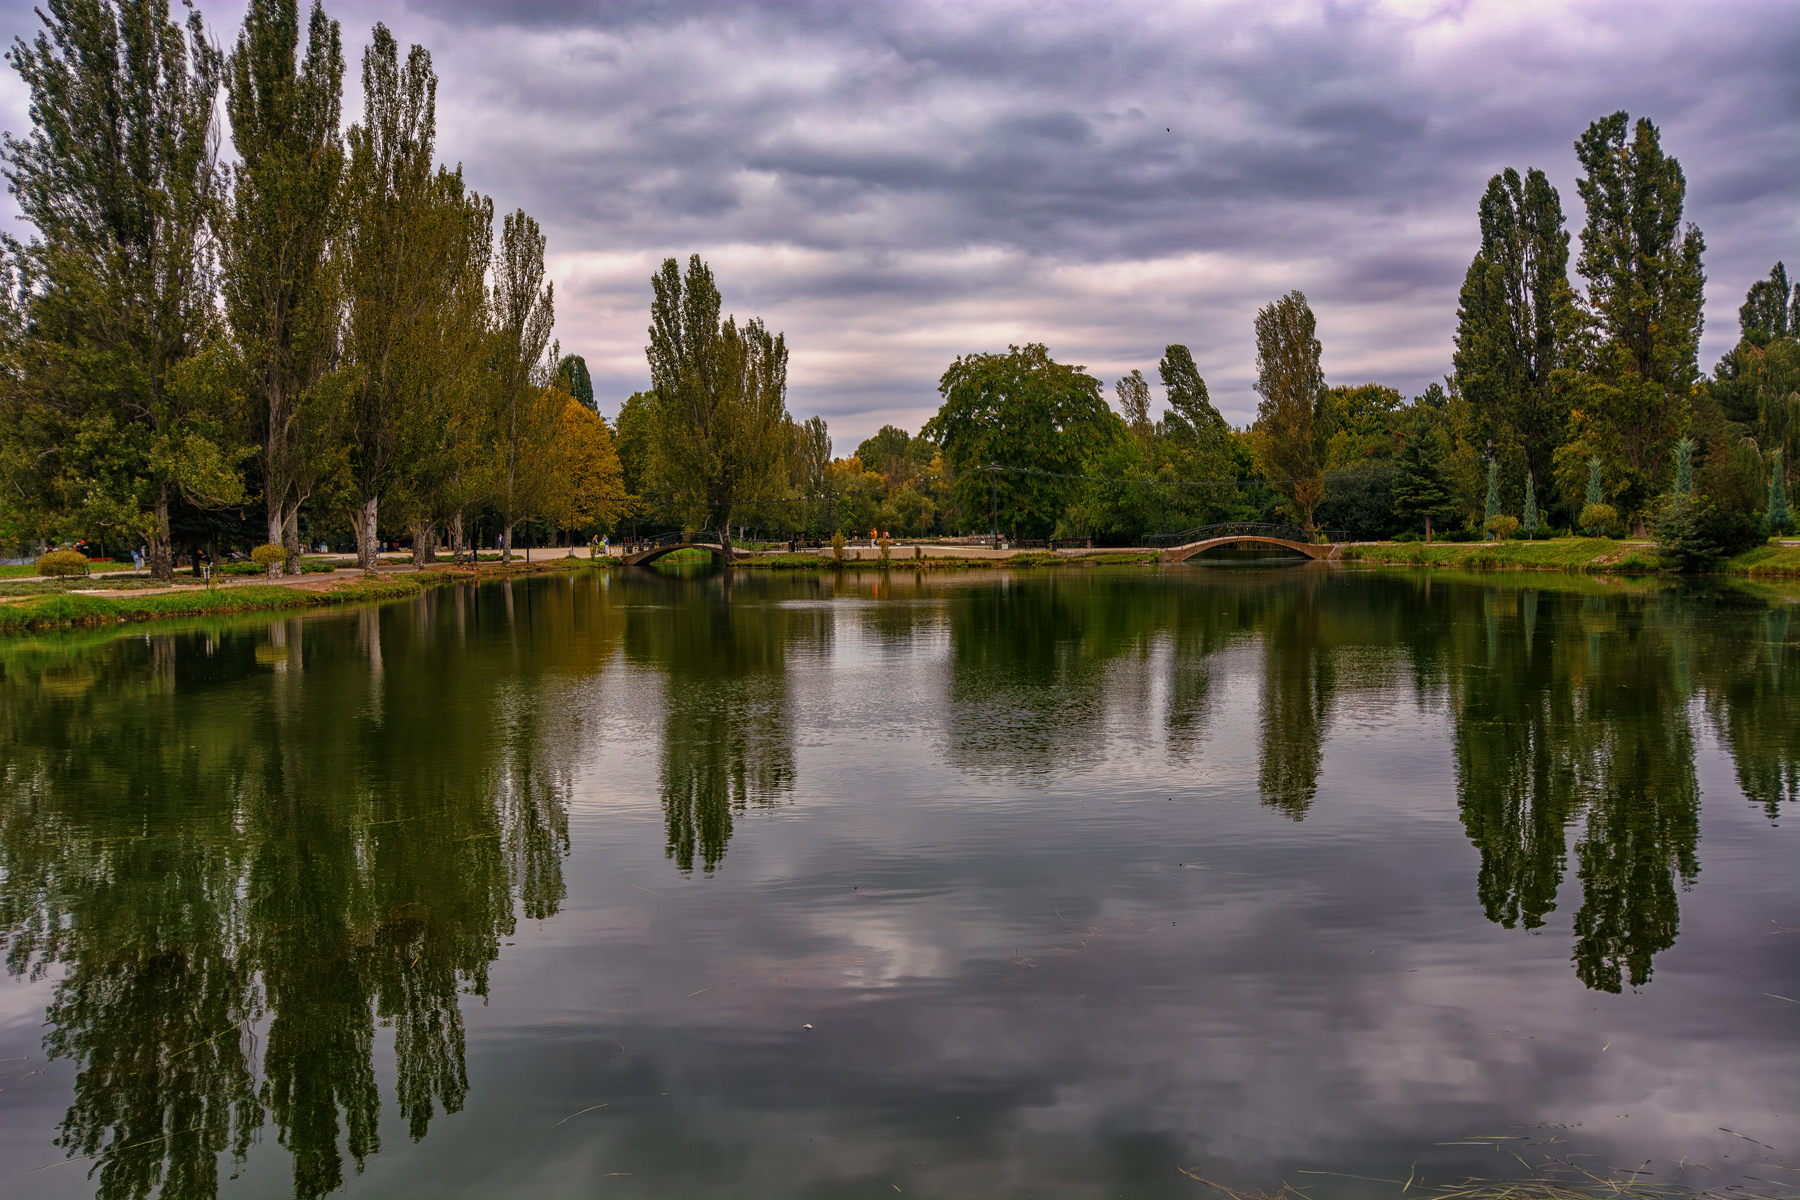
727,741
1753,701
1036,665
194,854
1570,709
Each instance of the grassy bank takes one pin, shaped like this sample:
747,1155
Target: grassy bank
62,610
1598,556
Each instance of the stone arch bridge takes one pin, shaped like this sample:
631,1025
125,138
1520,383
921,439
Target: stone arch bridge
1179,547
638,554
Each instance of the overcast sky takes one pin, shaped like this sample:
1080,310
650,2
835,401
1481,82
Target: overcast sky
893,184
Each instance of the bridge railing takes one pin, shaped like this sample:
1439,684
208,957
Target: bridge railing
1286,533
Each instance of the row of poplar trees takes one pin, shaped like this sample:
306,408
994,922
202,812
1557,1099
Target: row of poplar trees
324,319
1562,387
1580,400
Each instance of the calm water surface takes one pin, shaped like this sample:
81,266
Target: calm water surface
1056,884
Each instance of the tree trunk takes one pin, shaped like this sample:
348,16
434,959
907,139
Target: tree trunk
367,548
506,529
290,536
456,538
1428,531
162,553
424,542
275,534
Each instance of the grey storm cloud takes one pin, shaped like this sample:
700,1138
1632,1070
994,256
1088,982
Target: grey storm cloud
895,184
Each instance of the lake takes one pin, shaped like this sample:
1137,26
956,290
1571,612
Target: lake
1058,883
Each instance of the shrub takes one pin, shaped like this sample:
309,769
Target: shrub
1597,519
837,546
1502,526
268,555
1693,533
62,562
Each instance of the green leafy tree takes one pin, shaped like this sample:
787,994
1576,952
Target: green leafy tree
572,374
888,454
720,402
1518,321
451,473
1191,416
1758,383
390,265
1359,422
1193,442
275,238
117,176
633,429
1021,410
1422,488
811,472
1493,491
1133,391
525,405
1771,309
1645,288
1290,381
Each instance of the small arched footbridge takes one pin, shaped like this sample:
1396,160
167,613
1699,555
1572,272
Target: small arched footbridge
1179,547
637,554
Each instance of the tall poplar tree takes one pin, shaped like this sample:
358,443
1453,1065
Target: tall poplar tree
388,267
1517,322
1645,288
1290,380
526,407
572,373
1191,420
118,177
719,401
279,290
445,428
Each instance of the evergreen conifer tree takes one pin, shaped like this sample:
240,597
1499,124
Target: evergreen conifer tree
1493,492
1422,490
1684,467
1780,516
1530,521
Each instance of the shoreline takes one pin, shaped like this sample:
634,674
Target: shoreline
1569,556
74,609
1576,556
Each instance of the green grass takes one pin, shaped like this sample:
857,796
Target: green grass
1601,556
62,611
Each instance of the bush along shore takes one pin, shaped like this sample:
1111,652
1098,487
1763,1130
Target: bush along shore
1599,556
66,609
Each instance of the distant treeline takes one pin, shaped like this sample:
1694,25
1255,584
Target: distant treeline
324,340
1566,409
